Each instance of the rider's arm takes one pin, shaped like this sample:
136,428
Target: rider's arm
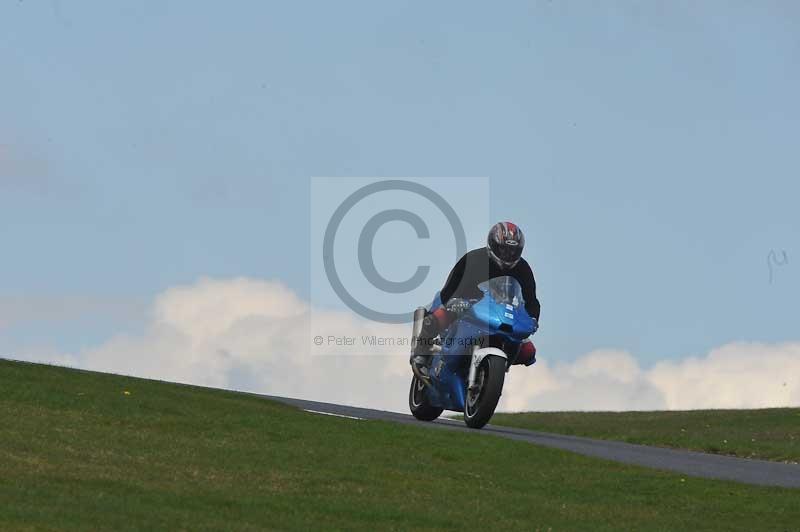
453,280
529,292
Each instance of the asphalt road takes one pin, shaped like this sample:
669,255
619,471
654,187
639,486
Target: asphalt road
687,462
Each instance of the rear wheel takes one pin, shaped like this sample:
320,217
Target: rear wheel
482,401
419,404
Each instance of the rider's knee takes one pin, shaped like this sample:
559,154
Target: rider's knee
442,317
526,354
435,321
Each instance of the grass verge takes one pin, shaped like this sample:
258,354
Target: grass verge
90,451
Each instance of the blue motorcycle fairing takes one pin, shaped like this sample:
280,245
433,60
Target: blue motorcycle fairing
496,314
515,322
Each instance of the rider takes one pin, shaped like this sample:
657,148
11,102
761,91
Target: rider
501,256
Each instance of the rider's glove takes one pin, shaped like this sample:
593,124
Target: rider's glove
458,306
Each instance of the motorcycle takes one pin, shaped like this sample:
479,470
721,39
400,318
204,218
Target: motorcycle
472,355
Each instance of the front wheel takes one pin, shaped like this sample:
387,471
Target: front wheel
419,404
482,401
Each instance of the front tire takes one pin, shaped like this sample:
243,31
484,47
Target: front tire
418,402
482,402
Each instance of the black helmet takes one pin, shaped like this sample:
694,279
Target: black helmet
505,243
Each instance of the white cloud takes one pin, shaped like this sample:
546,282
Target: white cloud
737,375
256,335
600,380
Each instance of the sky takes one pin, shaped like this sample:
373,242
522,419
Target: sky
649,150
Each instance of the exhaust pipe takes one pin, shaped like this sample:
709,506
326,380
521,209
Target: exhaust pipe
416,330
416,327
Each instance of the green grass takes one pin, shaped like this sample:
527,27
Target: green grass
77,453
768,434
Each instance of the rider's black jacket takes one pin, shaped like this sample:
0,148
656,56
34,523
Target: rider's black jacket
476,267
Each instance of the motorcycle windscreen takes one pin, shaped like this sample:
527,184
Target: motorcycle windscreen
503,290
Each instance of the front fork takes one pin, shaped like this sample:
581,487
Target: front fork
478,354
473,370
